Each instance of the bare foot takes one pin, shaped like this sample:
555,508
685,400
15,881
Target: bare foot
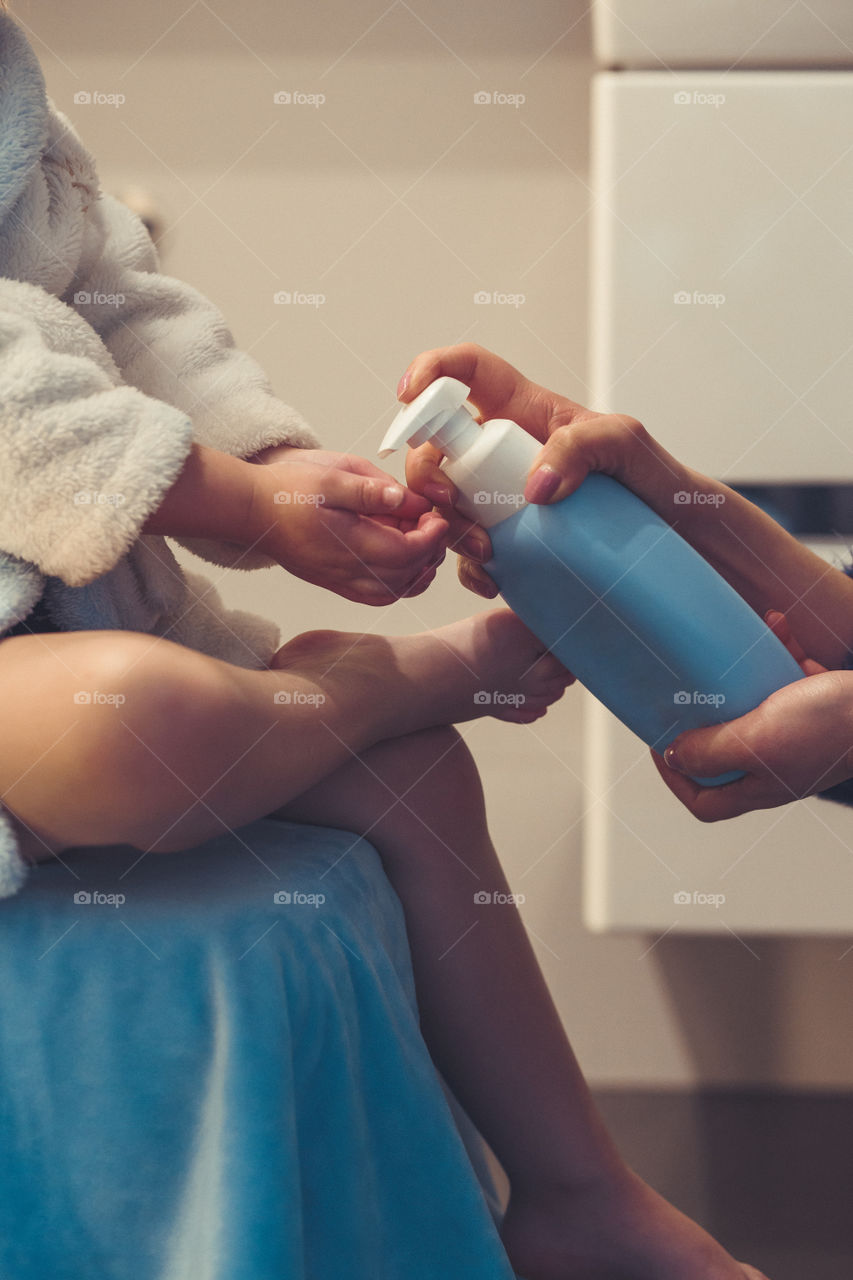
629,1234
489,664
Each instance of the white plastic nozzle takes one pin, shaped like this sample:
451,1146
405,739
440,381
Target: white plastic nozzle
488,464
437,415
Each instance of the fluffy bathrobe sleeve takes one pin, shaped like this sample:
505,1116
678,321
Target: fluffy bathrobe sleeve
83,459
170,342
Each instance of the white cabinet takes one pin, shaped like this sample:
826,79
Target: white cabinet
724,33
722,316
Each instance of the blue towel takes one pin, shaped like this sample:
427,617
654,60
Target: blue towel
211,1069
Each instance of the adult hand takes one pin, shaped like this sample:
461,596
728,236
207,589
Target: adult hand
340,522
795,743
575,440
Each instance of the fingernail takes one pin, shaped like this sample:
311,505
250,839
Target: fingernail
542,485
671,758
476,547
392,495
403,384
437,493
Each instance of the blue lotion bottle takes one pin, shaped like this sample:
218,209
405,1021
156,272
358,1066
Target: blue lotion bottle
624,602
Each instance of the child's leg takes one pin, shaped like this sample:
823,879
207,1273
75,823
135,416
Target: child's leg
118,737
491,1026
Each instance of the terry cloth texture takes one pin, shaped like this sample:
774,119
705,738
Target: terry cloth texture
109,371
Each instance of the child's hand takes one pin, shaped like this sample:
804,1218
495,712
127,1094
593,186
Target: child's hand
797,742
338,521
576,441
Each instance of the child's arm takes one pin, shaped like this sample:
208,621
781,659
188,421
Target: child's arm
171,342
333,520
87,464
83,460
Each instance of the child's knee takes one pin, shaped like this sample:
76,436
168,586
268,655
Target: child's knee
435,759
127,716
148,686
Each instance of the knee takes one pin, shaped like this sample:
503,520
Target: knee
159,689
106,734
438,760
149,711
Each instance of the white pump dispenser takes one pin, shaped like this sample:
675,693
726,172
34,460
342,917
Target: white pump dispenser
634,611
488,464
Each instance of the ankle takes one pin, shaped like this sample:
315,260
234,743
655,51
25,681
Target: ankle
611,1180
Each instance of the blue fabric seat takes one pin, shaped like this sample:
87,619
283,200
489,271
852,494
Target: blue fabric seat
222,1077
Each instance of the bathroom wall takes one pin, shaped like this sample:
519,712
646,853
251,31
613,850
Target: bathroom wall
387,198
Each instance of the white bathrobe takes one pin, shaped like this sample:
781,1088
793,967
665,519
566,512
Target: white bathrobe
108,372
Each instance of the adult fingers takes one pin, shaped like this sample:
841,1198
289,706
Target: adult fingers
713,804
611,443
424,475
497,388
474,578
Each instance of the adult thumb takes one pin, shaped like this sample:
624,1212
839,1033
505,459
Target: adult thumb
712,751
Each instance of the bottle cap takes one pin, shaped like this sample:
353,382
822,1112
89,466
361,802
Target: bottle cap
437,415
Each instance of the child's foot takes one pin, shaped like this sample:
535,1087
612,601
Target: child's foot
489,664
628,1234
510,674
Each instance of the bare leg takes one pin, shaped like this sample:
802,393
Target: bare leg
197,745
118,737
576,1211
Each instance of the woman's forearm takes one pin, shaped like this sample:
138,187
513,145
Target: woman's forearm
771,569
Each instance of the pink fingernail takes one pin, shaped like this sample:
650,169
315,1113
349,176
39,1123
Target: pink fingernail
542,485
403,384
476,547
671,758
437,493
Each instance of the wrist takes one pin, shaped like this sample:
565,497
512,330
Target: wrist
274,453
211,498
270,501
699,505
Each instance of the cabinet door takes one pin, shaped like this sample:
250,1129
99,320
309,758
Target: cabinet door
722,317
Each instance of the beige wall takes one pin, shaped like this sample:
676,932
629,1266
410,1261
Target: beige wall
397,199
